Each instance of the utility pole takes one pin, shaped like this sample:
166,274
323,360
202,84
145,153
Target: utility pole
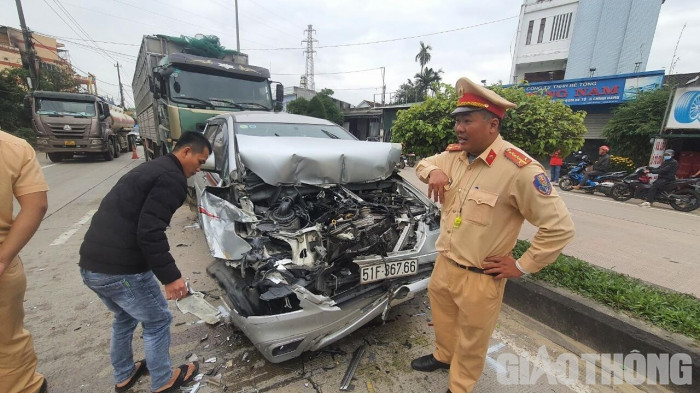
121,90
310,57
30,56
238,40
383,87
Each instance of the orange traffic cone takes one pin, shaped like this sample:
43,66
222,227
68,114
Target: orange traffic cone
134,156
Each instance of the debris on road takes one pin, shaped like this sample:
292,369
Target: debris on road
210,360
352,368
195,304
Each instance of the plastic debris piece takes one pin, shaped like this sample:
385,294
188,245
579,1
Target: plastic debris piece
198,377
229,363
204,338
192,358
215,380
245,356
210,360
352,368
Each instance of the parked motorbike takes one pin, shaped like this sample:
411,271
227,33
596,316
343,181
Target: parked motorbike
626,189
402,162
682,194
411,159
602,183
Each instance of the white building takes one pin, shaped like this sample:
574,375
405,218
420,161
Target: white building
568,39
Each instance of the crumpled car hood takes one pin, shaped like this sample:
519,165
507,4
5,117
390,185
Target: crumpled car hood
299,160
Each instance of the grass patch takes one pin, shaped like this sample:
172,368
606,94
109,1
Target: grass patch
675,312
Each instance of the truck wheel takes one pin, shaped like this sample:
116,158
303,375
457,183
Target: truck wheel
55,157
117,149
109,154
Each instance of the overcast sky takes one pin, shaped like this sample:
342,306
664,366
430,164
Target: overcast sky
471,38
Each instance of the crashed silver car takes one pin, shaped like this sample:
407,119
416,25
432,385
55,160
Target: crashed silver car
312,231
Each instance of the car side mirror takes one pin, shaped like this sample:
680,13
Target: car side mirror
210,164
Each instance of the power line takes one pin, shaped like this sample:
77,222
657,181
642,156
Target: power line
83,39
77,24
333,73
130,57
393,39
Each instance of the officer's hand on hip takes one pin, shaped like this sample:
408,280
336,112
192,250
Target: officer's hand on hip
437,180
504,266
176,290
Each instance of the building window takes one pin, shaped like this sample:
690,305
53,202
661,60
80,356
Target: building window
541,33
561,25
529,32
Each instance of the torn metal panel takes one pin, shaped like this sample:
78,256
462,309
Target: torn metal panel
299,160
218,220
196,305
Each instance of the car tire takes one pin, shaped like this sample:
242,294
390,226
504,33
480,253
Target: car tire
688,107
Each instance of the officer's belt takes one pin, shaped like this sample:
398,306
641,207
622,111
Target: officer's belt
471,268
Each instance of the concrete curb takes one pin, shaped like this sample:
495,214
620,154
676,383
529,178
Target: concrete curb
596,326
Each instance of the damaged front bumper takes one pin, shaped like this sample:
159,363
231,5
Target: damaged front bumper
319,322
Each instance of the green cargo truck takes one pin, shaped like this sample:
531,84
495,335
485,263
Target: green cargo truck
177,91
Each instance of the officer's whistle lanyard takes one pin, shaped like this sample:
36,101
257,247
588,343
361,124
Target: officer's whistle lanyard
458,219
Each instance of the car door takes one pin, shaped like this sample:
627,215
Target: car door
204,178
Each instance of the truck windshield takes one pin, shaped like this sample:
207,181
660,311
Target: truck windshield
45,106
220,91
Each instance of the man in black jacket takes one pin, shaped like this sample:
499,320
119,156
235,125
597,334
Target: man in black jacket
667,173
599,167
125,250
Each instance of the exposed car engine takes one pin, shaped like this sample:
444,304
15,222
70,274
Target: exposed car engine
308,236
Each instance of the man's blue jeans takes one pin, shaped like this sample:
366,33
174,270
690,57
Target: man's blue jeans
135,298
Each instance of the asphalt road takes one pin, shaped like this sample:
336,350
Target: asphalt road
71,327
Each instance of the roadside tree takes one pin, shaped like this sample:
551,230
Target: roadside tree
634,122
321,106
538,125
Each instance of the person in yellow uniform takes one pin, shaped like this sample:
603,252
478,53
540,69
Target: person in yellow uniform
20,178
487,188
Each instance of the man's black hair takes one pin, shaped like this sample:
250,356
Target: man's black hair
195,140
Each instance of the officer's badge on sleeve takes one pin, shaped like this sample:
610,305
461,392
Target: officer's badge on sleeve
542,184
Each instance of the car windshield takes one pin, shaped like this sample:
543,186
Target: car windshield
192,88
293,130
45,106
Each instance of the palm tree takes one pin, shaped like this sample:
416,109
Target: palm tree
428,79
423,56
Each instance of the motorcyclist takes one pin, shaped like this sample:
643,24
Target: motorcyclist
667,173
601,166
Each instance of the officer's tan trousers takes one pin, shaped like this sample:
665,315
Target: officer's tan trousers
17,357
465,308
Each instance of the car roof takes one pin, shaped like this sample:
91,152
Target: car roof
272,117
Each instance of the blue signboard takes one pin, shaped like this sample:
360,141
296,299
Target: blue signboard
612,89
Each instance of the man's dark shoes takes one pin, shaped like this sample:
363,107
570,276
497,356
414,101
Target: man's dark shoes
428,363
44,387
140,371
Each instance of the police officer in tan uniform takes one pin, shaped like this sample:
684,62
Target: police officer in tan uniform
487,188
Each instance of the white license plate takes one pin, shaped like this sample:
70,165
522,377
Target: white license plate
381,271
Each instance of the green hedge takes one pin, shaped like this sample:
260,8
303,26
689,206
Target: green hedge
675,312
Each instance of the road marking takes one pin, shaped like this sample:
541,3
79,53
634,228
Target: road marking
67,234
46,166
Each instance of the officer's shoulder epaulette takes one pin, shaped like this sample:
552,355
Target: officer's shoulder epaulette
453,147
517,157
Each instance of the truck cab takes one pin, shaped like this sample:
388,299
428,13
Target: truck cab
72,123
